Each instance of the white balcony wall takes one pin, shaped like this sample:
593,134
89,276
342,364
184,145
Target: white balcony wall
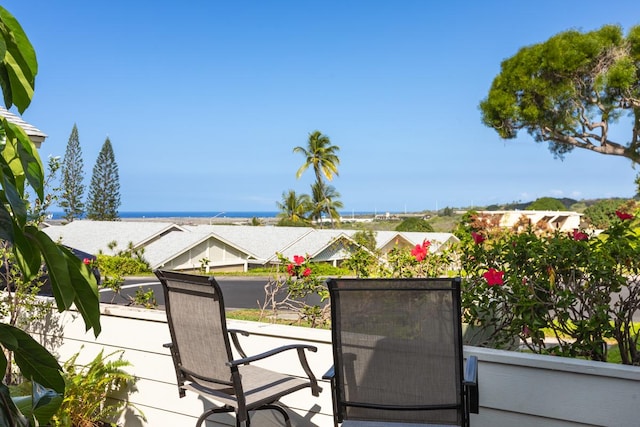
515,388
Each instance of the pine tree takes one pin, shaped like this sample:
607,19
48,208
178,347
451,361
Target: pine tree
104,192
72,178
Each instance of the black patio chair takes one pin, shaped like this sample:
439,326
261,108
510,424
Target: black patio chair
397,349
203,358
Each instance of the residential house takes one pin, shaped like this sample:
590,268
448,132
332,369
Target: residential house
225,247
549,220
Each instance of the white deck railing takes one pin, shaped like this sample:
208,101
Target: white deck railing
515,388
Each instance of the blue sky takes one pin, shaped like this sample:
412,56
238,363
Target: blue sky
204,100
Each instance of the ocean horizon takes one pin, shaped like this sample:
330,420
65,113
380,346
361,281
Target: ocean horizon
201,214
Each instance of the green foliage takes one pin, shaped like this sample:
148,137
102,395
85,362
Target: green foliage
104,192
447,211
93,391
20,169
414,224
294,209
146,299
584,289
325,200
417,262
366,239
364,260
121,265
547,204
322,156
128,262
603,213
37,403
570,91
72,178
319,154
288,289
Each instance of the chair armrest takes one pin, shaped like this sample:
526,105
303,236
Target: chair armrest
329,374
234,338
247,360
471,384
315,389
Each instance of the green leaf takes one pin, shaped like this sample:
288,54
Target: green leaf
6,224
12,188
30,162
10,415
57,267
27,255
21,87
3,362
87,297
34,361
20,63
42,404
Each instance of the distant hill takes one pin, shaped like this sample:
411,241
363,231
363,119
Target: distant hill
570,204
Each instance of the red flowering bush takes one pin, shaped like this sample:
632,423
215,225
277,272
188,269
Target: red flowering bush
290,289
420,261
581,288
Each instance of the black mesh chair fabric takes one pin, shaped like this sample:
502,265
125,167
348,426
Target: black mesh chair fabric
397,352
203,357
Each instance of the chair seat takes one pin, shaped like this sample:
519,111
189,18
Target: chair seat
261,387
354,423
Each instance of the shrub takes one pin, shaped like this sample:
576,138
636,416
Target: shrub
414,224
292,282
571,284
93,391
122,265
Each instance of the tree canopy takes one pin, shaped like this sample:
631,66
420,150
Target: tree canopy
570,91
547,204
72,178
104,193
294,208
603,213
414,224
321,155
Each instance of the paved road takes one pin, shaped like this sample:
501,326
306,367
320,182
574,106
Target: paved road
238,292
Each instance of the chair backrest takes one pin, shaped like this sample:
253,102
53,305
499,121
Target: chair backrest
397,347
197,323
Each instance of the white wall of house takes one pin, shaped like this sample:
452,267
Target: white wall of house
554,220
516,389
218,253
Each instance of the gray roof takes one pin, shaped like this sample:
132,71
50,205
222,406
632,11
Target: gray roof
35,134
164,241
415,238
313,243
259,242
95,236
161,251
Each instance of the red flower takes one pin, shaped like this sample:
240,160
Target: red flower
291,270
420,251
306,272
298,259
494,277
86,261
578,235
624,216
477,237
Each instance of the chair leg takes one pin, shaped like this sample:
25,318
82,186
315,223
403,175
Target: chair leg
285,415
210,412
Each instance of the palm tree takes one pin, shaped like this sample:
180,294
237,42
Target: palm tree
325,199
320,155
294,208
